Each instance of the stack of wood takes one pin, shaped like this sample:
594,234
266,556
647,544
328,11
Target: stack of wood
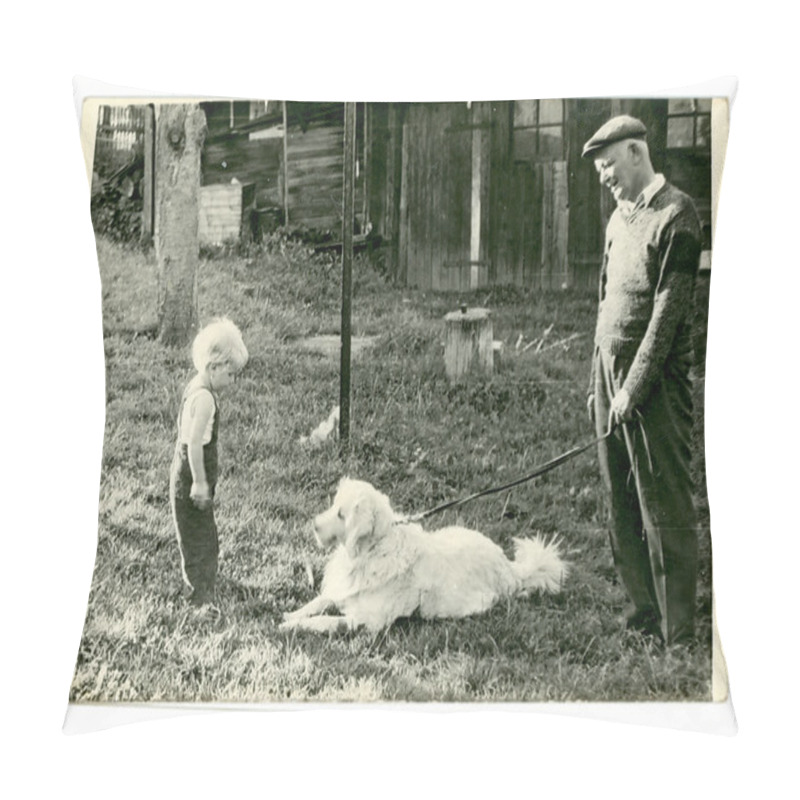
117,201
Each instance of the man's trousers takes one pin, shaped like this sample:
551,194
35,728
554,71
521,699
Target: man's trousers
646,467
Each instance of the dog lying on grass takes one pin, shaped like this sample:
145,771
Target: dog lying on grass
385,568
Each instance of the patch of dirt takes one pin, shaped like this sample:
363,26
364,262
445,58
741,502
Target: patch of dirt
331,345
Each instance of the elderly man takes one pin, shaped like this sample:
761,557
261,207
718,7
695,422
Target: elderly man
640,378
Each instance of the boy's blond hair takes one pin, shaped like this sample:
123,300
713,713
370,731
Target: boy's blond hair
219,341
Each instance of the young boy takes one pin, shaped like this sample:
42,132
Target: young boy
218,354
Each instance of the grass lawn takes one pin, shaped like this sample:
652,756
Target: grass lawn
416,438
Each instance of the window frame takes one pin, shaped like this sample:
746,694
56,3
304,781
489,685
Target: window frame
695,113
539,155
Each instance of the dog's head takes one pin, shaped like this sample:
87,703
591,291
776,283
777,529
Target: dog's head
359,513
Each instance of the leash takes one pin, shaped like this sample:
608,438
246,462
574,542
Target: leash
552,464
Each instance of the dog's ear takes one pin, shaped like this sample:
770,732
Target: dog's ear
359,523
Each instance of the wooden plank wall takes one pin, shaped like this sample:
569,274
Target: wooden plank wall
530,226
316,161
524,215
516,222
508,190
384,181
435,197
222,115
480,208
379,186
529,214
542,224
589,208
316,164
553,267
256,162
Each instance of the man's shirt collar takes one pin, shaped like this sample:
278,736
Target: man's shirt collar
649,191
645,196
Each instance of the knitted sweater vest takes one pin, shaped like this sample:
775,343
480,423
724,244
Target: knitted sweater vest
646,285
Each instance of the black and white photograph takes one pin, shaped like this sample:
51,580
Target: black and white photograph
398,401
404,402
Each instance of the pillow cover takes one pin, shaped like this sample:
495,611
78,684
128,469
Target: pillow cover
221,448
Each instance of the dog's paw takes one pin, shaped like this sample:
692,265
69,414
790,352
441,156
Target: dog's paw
290,620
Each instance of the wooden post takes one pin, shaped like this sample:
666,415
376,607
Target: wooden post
479,188
348,213
148,181
365,172
475,210
285,165
394,181
469,343
406,132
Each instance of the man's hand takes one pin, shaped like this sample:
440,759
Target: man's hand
621,407
590,406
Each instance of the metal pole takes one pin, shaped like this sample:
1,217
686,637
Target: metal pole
348,210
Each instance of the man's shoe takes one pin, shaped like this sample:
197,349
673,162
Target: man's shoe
646,622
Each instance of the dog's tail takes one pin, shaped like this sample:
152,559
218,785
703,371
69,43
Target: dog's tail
538,564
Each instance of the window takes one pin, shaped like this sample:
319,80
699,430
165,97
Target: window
538,133
689,124
257,108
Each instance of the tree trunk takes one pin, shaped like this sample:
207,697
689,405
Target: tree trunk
180,132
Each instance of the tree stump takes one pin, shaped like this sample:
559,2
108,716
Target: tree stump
469,343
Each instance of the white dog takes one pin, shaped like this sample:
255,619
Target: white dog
385,568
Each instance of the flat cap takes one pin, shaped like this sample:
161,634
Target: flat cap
615,130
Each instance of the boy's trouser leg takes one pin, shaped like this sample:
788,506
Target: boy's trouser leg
199,548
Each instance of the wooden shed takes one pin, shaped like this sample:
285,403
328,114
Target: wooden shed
234,150
496,193
292,153
461,195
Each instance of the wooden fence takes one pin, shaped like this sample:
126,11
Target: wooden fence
120,136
